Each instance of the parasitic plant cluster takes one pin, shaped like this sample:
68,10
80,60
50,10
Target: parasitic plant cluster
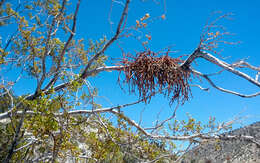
149,73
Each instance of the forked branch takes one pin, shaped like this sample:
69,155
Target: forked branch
203,136
114,38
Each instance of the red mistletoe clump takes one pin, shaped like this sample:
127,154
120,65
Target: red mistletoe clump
150,73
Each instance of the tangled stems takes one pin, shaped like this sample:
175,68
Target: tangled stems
150,73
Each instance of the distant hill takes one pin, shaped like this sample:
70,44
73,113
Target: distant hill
235,151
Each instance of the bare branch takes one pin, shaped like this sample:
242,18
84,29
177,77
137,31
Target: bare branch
222,89
185,151
114,38
103,110
166,120
257,75
204,136
244,64
97,70
77,112
62,86
186,64
200,87
142,130
227,67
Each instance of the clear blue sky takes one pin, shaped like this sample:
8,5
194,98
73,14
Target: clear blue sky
182,28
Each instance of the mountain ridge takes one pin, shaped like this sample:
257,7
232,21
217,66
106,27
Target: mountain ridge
235,151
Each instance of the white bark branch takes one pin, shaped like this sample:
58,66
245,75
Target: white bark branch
205,136
222,89
228,67
114,38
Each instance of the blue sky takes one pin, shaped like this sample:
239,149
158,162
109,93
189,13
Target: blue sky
182,28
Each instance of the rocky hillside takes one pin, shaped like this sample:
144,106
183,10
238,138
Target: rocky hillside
235,151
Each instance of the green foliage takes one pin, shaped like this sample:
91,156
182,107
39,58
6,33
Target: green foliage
64,134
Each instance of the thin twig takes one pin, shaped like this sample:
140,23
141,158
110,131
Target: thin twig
47,47
54,79
114,38
222,89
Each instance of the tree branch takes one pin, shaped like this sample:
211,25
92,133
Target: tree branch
227,67
97,70
115,37
186,64
77,112
18,129
204,136
54,79
48,46
222,89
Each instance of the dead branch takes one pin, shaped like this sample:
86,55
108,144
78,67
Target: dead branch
200,87
227,67
222,89
158,125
